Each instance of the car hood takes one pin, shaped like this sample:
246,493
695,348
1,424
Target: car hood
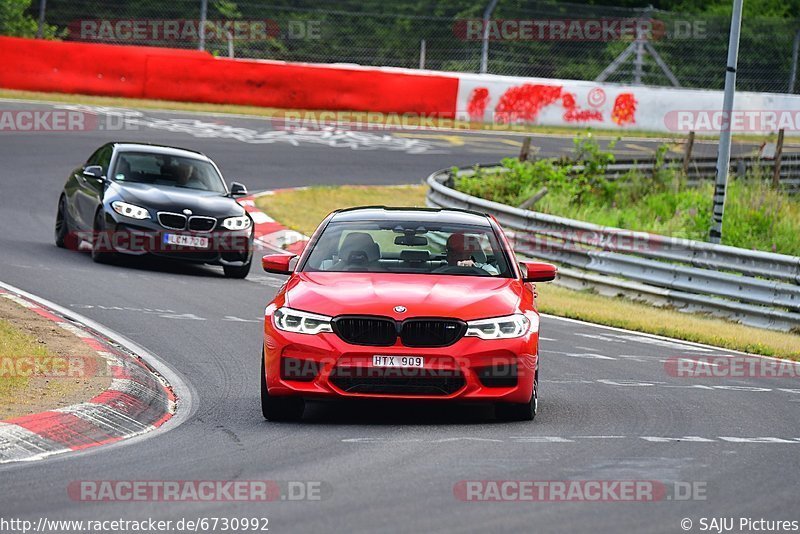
165,198
463,297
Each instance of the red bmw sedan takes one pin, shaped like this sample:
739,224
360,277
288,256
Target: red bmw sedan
403,303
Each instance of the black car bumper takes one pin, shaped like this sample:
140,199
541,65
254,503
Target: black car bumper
220,247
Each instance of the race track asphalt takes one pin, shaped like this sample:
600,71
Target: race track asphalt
607,403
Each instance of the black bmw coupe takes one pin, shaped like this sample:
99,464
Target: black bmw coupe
137,199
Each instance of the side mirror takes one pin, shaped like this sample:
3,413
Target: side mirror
238,190
534,271
279,263
93,171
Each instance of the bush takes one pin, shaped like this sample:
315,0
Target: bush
756,215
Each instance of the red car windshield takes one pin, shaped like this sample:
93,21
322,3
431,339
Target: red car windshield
408,247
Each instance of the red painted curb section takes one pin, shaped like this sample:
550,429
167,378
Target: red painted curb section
137,401
271,235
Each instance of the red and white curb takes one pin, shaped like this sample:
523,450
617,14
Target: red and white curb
271,235
137,401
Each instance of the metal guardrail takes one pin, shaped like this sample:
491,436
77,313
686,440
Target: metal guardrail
705,168
756,288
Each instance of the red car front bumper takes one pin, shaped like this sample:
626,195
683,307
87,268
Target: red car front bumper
323,365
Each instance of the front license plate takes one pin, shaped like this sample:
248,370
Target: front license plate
186,240
398,361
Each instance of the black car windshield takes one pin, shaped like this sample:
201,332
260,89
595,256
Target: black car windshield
408,247
168,170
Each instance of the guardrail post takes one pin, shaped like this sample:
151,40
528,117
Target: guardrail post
526,149
42,19
776,174
687,156
201,44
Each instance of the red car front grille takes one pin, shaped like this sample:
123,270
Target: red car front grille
414,332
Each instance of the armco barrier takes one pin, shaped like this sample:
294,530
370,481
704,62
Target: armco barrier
756,288
193,76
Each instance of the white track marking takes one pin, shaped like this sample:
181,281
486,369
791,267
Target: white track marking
74,330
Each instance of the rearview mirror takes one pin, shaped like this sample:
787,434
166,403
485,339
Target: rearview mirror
238,190
279,263
534,271
93,171
411,240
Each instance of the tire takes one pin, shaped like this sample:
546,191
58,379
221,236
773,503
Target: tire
506,411
279,408
63,234
237,272
98,255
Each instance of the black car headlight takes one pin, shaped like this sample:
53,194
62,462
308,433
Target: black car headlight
237,223
130,210
301,322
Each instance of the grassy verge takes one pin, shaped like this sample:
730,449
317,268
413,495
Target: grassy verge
13,345
319,201
378,118
43,367
757,216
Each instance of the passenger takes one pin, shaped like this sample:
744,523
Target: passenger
466,251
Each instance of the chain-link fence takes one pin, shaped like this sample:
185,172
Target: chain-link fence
550,40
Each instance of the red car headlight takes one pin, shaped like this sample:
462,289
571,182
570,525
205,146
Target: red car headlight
300,322
509,326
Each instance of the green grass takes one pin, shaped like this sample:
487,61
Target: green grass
756,215
15,344
317,202
699,328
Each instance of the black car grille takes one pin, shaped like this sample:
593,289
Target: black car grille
374,331
383,331
431,332
202,224
395,381
173,221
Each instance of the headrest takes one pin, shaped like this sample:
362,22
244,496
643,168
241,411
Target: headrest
415,255
360,247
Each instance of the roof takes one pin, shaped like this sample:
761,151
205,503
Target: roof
384,213
159,149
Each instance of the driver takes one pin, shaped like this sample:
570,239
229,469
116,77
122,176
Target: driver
183,173
463,251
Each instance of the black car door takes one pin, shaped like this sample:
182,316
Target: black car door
90,191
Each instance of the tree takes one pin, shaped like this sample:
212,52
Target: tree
15,22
